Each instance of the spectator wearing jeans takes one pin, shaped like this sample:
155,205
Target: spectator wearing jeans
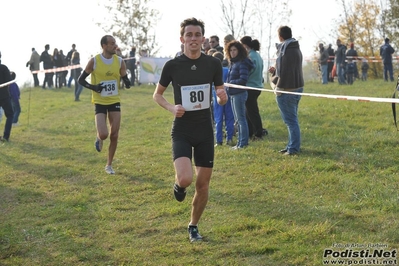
287,76
323,63
240,67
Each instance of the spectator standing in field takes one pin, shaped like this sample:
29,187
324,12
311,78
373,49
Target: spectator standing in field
192,75
240,67
48,65
34,66
76,72
255,80
352,54
223,113
386,52
15,96
131,65
5,101
323,63
106,70
63,73
365,67
119,53
340,57
331,56
287,75
350,71
60,61
69,58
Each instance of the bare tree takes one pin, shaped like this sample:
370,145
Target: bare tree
133,23
257,18
349,20
269,15
390,21
235,18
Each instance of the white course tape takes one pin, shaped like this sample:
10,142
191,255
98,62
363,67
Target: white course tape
7,83
338,97
53,70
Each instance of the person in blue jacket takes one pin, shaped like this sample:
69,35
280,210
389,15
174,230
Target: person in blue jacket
15,96
223,112
240,67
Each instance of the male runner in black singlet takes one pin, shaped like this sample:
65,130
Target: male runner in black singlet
192,75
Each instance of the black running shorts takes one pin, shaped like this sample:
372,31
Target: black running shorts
197,140
104,109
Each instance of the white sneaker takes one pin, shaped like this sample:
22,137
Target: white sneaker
109,170
15,124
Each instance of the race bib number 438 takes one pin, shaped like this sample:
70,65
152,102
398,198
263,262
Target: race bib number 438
111,88
195,97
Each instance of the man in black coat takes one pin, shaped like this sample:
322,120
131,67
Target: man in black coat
45,57
5,100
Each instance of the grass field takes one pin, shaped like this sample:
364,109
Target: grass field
59,207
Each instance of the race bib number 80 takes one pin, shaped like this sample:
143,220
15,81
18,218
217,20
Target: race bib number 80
111,88
195,97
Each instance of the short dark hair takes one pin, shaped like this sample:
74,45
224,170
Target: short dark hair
253,44
242,52
285,32
104,39
387,40
192,21
214,37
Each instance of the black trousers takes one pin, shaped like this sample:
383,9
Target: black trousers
35,80
5,103
253,117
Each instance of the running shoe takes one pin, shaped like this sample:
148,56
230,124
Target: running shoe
180,193
194,234
109,170
98,144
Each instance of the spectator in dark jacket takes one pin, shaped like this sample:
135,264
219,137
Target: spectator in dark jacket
240,66
323,63
350,71
59,62
15,96
5,100
340,57
365,68
331,55
386,52
48,64
287,75
352,54
69,61
75,72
